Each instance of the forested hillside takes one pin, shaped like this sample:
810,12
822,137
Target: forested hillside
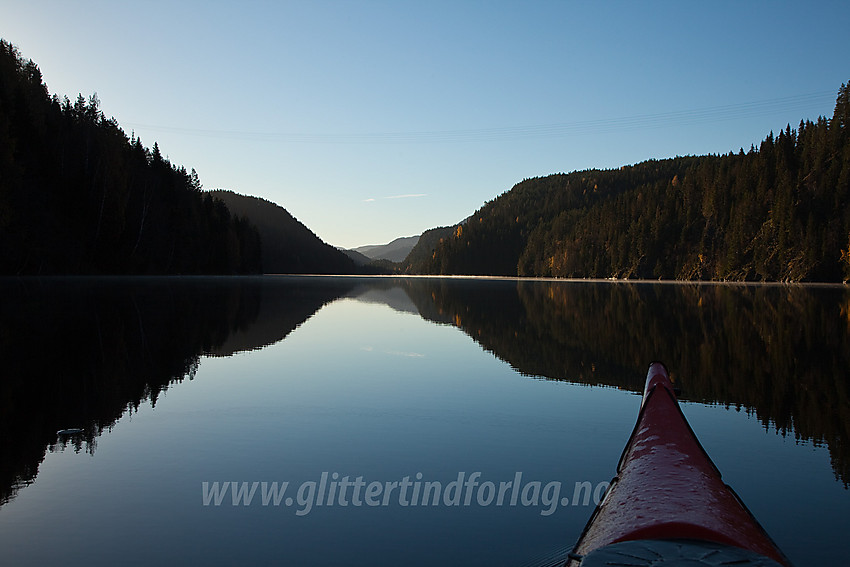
288,247
778,212
78,196
422,253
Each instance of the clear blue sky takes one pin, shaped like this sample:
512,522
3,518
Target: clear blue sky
373,120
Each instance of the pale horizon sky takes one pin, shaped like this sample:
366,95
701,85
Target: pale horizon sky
374,120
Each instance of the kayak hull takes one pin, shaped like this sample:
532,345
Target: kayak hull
667,487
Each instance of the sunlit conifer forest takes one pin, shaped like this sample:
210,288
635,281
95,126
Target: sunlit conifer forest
776,212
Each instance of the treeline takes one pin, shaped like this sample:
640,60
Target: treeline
78,196
116,343
778,212
423,251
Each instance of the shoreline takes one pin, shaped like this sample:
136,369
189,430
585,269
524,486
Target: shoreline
153,277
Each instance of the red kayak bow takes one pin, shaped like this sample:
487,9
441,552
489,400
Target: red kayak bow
668,505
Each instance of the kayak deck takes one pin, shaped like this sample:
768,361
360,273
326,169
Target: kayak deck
667,488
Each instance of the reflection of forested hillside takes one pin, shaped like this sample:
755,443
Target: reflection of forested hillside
78,353
81,352
782,352
285,304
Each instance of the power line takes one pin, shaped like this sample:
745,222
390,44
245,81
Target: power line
739,111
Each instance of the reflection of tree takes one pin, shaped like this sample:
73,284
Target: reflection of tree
81,352
286,303
782,352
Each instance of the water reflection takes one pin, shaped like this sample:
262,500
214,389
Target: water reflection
82,352
79,352
782,352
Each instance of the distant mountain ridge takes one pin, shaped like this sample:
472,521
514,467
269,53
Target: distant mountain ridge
288,247
359,259
395,251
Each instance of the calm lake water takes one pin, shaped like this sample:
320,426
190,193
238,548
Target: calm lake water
369,396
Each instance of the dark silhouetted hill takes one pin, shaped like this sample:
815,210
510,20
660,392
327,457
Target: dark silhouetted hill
420,257
288,247
77,196
359,259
